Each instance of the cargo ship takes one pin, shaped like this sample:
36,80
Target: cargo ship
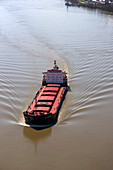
44,109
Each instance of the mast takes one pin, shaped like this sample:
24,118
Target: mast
55,66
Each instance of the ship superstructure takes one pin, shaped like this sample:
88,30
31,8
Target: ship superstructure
55,76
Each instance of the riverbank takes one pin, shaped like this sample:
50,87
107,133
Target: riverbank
92,4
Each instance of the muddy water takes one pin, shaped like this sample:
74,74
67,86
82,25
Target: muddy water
32,34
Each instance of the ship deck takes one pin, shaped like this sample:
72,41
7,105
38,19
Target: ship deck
47,100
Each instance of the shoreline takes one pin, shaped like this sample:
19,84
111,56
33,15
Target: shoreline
94,5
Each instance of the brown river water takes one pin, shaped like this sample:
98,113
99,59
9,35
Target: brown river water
32,34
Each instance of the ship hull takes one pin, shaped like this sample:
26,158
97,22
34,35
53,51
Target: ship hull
41,121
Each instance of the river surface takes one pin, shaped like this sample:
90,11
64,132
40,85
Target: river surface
32,34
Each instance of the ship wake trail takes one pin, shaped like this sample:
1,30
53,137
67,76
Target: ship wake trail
20,36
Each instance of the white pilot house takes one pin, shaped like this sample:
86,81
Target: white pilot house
55,76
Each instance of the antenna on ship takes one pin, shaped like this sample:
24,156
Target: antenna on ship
55,66
55,62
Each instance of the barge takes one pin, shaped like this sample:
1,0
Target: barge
44,109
